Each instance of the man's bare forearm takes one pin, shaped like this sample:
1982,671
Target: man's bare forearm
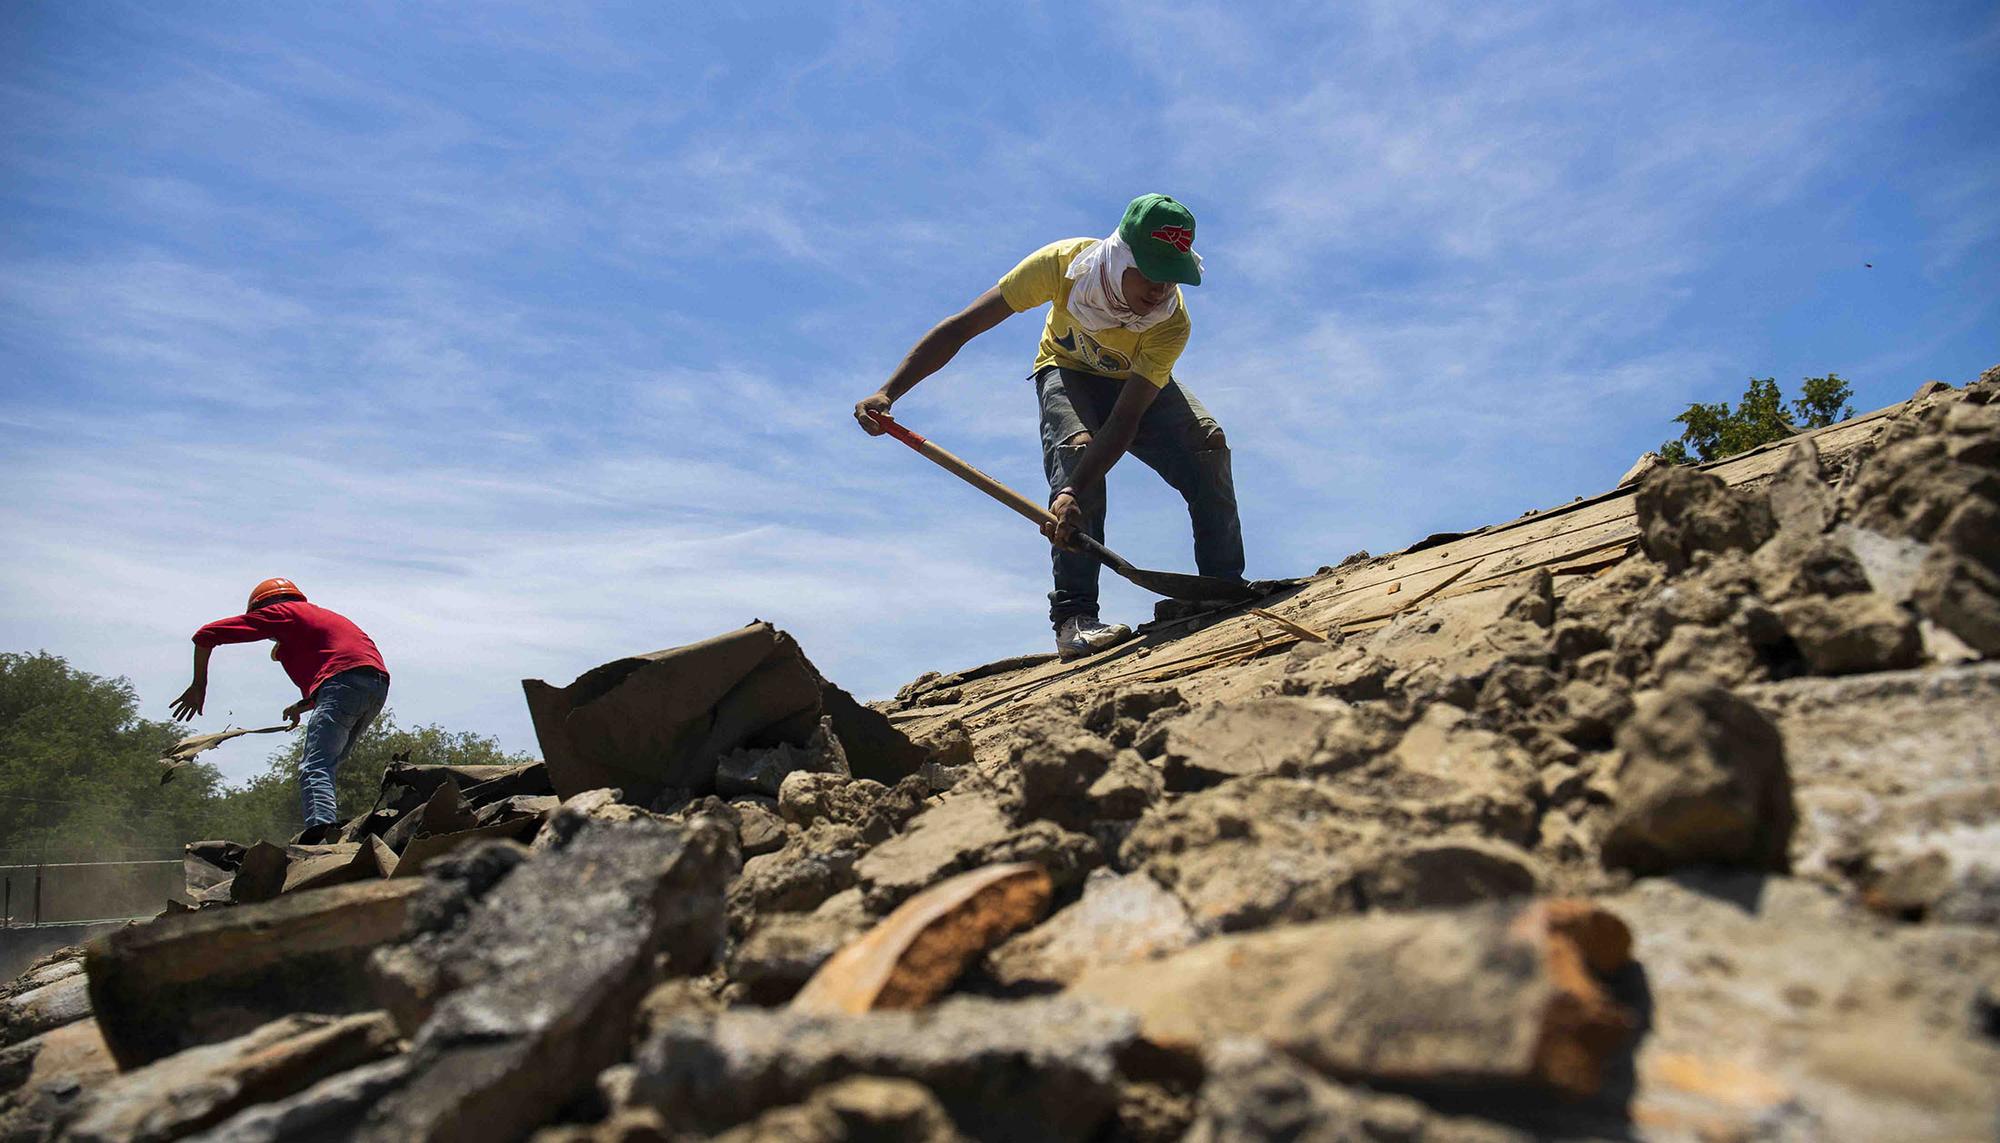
932,352
201,654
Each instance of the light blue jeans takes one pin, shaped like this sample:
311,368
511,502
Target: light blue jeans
344,707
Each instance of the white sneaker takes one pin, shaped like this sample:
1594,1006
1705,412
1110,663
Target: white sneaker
1082,635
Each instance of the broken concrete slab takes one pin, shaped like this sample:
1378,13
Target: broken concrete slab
1118,918
1033,1070
1701,778
1523,1006
936,843
206,976
202,1086
649,722
916,952
513,1014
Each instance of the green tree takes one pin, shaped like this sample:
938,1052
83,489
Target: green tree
79,773
1713,431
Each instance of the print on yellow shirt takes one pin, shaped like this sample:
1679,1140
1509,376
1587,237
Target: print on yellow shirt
1042,278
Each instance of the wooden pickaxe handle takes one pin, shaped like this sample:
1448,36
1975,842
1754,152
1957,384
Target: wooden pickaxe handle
944,459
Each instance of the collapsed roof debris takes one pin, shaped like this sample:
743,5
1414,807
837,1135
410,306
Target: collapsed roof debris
1666,813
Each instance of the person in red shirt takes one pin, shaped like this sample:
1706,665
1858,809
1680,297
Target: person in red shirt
337,669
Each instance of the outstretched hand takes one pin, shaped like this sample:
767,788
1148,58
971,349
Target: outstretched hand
866,409
190,702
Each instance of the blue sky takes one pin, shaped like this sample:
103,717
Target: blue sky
526,334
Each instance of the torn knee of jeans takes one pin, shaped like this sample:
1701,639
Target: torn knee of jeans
1077,440
1209,438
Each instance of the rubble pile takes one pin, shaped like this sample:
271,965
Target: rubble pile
1668,814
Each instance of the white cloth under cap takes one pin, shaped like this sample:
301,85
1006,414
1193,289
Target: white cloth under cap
1096,300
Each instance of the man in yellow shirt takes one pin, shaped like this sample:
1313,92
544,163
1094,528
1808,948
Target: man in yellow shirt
1104,374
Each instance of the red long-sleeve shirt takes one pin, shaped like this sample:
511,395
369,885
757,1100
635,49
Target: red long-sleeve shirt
314,644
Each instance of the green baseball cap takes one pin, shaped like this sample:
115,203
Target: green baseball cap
1160,232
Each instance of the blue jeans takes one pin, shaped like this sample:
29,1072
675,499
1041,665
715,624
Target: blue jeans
1173,441
344,707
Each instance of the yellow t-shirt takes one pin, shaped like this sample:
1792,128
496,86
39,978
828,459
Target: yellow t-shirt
1117,352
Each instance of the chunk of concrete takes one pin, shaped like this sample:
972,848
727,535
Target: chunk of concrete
916,952
778,956
206,976
47,1006
1801,498
1508,993
759,829
1701,779
1253,1094
851,1111
1253,852
810,867
42,1080
202,1086
1032,1070
1118,918
1259,736
1448,872
1852,634
938,843
1890,767
1682,512
517,1009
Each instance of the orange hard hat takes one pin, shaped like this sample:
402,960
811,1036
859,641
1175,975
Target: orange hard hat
273,588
